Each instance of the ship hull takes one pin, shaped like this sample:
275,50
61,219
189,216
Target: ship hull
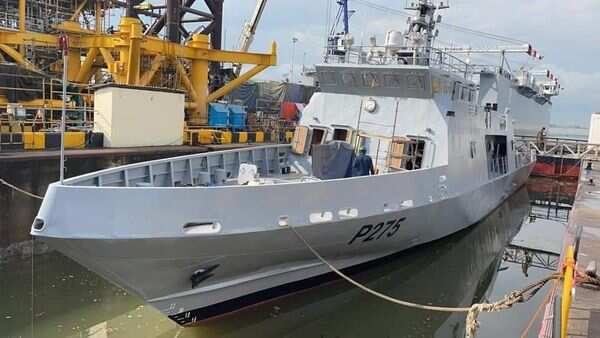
242,268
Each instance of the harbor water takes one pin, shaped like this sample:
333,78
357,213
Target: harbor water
45,294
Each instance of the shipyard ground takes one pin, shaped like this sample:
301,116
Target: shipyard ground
584,318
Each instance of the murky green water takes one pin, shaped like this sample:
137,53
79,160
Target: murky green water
48,295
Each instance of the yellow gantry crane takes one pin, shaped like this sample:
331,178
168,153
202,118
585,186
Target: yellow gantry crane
133,58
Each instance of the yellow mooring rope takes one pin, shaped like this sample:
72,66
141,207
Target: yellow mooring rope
472,324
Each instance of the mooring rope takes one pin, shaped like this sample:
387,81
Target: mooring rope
472,324
14,187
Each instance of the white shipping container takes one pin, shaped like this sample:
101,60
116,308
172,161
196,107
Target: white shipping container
594,135
137,117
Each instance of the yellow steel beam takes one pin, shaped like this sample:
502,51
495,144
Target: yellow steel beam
78,10
18,57
131,45
226,89
187,83
154,67
107,56
22,38
111,65
152,45
85,72
72,27
241,57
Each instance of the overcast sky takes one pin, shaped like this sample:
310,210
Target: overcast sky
566,32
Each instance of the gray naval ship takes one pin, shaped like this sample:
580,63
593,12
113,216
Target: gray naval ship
202,235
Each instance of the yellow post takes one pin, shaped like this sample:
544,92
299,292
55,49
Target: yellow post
566,292
22,11
128,28
22,4
135,55
99,17
74,64
199,78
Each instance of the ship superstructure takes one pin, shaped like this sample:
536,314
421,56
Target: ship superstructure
202,235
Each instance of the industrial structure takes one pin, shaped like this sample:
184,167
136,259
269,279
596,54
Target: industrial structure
172,45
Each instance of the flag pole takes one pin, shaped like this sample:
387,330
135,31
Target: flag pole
64,46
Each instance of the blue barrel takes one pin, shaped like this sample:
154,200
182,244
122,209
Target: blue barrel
237,117
218,115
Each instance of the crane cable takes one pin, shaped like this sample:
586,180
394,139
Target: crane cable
448,25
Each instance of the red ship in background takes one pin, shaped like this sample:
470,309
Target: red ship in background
557,166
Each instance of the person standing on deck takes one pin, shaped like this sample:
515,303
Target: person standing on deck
363,164
38,121
540,139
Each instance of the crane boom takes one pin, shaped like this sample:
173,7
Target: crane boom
248,31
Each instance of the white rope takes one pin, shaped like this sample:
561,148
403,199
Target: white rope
472,324
21,190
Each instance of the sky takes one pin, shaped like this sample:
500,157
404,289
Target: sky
566,32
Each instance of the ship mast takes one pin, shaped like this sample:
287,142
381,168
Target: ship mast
345,15
422,27
339,42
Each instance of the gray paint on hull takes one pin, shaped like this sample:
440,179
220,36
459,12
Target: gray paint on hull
258,260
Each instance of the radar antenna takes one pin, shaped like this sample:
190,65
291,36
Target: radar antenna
422,27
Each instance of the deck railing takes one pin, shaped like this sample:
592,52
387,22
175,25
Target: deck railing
38,105
206,169
419,56
563,147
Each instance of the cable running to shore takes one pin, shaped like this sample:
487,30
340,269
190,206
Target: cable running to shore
472,324
14,187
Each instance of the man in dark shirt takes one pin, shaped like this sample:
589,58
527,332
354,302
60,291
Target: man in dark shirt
363,164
